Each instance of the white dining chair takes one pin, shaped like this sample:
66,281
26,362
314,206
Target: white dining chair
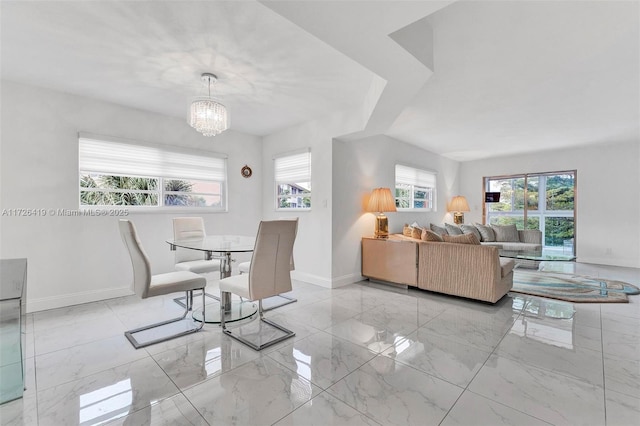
269,275
276,301
185,228
146,285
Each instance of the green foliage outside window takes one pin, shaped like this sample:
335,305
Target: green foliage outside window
532,222
559,196
118,191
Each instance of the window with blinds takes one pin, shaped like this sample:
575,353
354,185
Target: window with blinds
127,174
415,189
293,180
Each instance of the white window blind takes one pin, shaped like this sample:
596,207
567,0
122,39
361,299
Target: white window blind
102,156
293,168
411,176
292,175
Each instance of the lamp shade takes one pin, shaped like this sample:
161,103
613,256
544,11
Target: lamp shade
381,200
459,204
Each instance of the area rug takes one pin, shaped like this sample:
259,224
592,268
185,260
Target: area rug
572,288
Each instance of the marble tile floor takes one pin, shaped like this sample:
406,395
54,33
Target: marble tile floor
363,354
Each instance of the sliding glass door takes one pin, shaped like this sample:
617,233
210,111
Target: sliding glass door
544,201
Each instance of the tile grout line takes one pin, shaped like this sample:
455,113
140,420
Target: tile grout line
466,388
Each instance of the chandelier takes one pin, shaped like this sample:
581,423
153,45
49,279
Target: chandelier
208,116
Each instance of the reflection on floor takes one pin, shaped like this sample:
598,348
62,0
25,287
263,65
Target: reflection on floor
363,354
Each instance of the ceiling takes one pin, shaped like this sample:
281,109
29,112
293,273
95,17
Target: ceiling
466,80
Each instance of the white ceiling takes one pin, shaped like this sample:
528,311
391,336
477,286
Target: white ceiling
507,77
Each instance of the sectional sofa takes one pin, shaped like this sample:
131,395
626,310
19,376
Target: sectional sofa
505,237
472,271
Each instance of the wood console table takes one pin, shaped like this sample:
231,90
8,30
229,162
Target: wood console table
390,259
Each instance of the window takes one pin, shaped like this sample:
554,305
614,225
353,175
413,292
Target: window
544,201
415,189
127,174
293,180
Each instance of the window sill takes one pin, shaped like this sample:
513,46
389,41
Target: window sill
151,210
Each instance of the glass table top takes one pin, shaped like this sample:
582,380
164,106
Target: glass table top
217,243
544,255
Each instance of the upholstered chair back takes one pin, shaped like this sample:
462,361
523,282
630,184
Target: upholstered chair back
185,228
271,265
139,259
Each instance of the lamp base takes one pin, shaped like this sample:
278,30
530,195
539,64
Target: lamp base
458,218
382,226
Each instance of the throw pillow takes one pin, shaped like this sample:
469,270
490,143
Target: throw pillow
452,229
486,232
470,229
461,239
438,229
416,232
506,233
429,235
406,230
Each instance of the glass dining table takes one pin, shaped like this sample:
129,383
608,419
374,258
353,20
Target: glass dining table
221,247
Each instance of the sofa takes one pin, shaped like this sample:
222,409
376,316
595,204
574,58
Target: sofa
505,237
472,271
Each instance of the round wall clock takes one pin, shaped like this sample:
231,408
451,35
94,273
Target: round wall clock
246,171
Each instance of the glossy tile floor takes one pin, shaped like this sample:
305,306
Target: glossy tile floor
364,354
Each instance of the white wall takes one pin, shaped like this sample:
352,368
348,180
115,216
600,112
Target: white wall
312,250
360,166
608,198
79,259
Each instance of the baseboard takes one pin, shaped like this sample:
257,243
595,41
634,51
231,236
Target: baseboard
311,279
346,279
53,302
324,282
625,263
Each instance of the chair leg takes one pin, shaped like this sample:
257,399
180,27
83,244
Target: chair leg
192,329
287,333
222,297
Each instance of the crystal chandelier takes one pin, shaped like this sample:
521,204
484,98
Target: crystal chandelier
208,116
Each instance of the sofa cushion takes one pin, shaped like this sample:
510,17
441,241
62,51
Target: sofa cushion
470,229
416,232
506,266
452,229
506,233
486,232
521,246
461,239
438,229
429,235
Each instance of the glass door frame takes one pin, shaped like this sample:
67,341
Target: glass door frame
526,176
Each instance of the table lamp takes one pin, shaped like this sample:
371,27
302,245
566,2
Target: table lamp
457,206
381,201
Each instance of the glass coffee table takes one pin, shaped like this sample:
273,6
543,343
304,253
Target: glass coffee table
531,259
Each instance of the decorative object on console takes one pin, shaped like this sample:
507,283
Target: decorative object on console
381,201
458,205
208,116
